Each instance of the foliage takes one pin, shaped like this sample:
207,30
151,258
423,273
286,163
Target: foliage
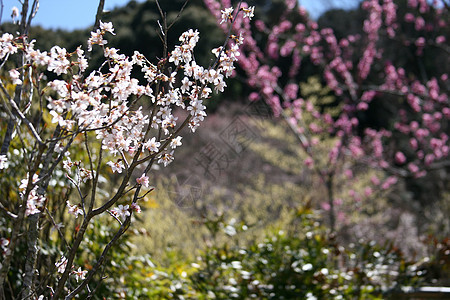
301,261
295,259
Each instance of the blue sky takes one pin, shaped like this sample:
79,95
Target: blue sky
78,14
63,14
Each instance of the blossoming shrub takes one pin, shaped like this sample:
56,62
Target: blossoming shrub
391,68
57,108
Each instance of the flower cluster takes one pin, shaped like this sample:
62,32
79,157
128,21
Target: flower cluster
7,45
4,245
121,211
74,209
102,101
61,265
3,162
35,200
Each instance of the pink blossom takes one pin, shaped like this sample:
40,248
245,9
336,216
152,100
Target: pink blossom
368,191
341,216
121,211
414,102
424,7
309,162
135,207
296,62
143,180
272,50
254,96
338,202
79,274
413,168
333,155
429,158
260,25
116,166
362,106
352,193
413,3
375,180
15,76
440,39
446,112
61,264
74,209
315,128
391,180
400,158
367,96
420,43
287,48
291,91
276,106
325,206
348,173
419,23
421,133
35,202
300,27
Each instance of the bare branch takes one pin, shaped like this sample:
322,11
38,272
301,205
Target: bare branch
178,15
123,228
99,14
34,9
7,212
23,22
1,10
20,115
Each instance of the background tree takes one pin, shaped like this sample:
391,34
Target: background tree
394,115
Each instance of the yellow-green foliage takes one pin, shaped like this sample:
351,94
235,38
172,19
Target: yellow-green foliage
169,226
289,157
262,203
280,147
259,204
319,95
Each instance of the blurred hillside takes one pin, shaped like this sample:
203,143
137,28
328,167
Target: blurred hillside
244,166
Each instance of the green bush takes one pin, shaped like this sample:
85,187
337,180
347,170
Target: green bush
298,260
302,262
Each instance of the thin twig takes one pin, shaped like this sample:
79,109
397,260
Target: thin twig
34,9
20,114
1,15
57,228
178,15
7,212
123,228
99,15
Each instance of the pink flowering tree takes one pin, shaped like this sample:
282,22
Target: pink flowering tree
53,109
357,69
